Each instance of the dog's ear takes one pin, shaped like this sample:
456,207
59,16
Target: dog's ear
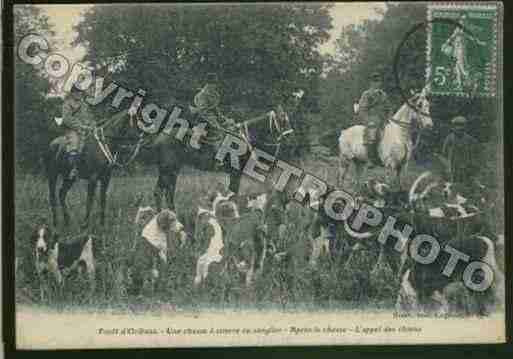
227,209
34,236
139,199
53,237
207,200
219,188
166,219
212,195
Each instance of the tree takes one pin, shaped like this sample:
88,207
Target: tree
33,110
261,53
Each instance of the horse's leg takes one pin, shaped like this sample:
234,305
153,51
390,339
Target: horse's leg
52,184
170,186
342,171
234,185
359,170
158,192
399,170
63,192
392,175
91,191
104,186
166,184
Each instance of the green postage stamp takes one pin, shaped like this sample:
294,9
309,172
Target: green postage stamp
461,49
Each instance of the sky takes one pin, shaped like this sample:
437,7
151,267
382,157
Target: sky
344,14
63,17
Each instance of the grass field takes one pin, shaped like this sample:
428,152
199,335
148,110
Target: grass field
339,288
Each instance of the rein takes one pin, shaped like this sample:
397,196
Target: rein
408,126
274,126
99,136
244,130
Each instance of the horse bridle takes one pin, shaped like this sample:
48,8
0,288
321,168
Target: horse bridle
409,125
273,123
105,148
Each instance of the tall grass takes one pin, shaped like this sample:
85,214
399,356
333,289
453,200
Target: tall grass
331,286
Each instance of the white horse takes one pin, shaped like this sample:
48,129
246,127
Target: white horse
394,147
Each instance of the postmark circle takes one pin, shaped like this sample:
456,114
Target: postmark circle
407,93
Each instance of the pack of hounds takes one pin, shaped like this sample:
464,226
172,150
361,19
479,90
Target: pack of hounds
241,233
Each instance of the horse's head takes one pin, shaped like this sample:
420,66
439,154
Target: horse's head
420,110
416,112
279,124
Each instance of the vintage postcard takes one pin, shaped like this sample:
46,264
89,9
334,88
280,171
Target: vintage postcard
201,175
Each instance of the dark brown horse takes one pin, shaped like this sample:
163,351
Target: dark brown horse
269,132
94,166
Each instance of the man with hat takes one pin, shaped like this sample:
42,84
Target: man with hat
76,119
373,110
461,151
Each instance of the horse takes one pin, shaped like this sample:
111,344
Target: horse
95,166
172,155
395,145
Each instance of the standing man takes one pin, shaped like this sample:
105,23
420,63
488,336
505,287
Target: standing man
373,110
76,119
461,151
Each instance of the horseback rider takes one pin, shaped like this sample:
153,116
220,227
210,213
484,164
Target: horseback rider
461,150
207,104
77,118
374,109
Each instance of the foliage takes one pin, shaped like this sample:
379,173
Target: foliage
260,53
33,110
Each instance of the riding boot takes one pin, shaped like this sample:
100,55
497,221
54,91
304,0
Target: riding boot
73,158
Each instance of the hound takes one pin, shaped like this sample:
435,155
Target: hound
456,220
58,259
426,284
230,238
161,234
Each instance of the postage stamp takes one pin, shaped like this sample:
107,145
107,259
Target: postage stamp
256,174
462,49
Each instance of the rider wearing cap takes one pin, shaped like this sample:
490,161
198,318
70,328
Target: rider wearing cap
460,150
373,110
76,119
207,104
